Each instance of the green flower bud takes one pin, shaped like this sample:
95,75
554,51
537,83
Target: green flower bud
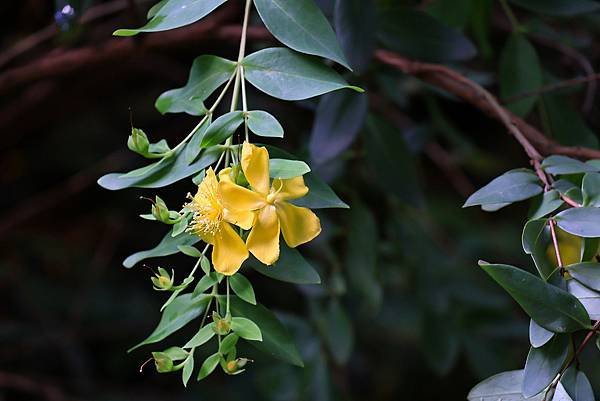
160,211
138,141
222,326
163,281
162,362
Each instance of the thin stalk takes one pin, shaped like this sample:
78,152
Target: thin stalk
556,248
244,103
199,260
227,312
511,16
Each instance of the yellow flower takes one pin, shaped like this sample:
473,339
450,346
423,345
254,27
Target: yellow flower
274,214
212,222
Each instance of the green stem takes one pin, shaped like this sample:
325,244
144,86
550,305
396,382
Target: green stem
227,312
199,261
514,22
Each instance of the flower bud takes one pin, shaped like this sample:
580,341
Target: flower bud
160,211
162,362
163,281
222,326
138,141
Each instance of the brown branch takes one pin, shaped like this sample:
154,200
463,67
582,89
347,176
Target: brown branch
531,139
450,168
553,87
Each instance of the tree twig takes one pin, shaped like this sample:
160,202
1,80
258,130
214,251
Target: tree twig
553,87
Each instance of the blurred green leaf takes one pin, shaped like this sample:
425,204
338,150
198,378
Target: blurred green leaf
173,14
206,75
301,25
415,34
512,186
520,72
291,267
287,75
454,13
180,312
559,7
543,364
338,332
580,221
356,28
566,124
264,124
552,308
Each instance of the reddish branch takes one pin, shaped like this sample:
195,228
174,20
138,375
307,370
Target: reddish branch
532,140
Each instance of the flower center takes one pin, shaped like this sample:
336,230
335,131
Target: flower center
207,208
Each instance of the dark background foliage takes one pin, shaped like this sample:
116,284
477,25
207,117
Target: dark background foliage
403,312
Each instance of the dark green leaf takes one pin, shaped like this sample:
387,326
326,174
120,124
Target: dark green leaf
559,7
416,34
391,161
580,221
338,120
589,299
552,308
538,336
338,332
577,385
455,13
543,364
242,288
167,246
356,28
512,186
246,329
535,240
264,124
173,14
209,365
590,187
587,273
180,312
291,267
566,123
287,75
222,128
202,336
276,341
301,25
520,72
206,75
284,168
557,164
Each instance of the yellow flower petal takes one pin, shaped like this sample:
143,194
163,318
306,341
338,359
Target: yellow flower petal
255,164
241,218
292,188
235,197
229,251
224,175
263,240
298,224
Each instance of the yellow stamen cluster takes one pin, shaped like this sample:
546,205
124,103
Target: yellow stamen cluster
207,207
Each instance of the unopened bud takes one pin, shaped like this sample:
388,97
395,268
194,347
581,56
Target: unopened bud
138,141
160,211
222,326
162,362
163,281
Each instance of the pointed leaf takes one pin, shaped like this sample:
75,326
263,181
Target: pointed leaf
169,245
209,365
202,336
581,221
557,164
284,169
246,329
512,186
222,128
538,336
543,364
242,288
291,267
264,124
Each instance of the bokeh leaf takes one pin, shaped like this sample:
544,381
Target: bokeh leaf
291,267
559,7
356,28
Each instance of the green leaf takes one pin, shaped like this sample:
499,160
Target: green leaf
559,7
222,128
169,245
589,299
507,386
520,72
246,329
552,308
538,336
557,164
206,75
228,343
162,173
454,13
188,368
202,336
535,240
590,248
176,353
264,124
180,312
291,267
590,187
283,168
580,221
339,118
173,14
320,195
205,283
566,123
391,161
361,261
242,288
189,251
300,25
209,365
356,29
276,340
543,364
338,332
416,34
287,75
577,385
512,186
549,202
587,273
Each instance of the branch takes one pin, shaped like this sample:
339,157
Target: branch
531,139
